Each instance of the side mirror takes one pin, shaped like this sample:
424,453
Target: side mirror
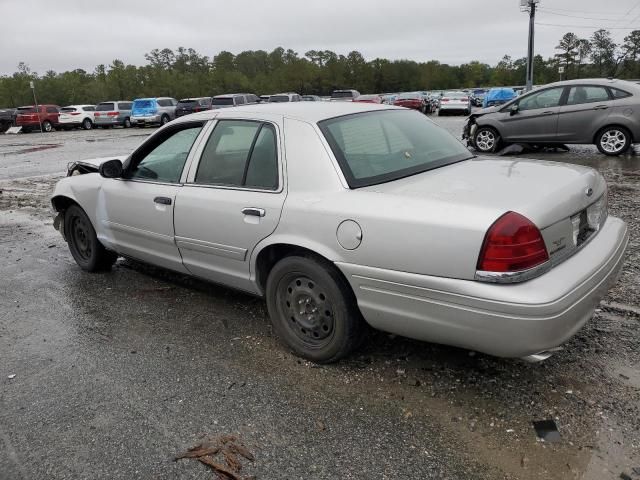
514,109
111,169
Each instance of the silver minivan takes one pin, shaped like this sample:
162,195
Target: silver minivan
113,113
233,100
588,111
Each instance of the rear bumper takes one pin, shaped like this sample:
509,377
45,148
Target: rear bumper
456,106
150,120
503,320
108,120
70,123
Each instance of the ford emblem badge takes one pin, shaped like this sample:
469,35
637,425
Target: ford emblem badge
589,191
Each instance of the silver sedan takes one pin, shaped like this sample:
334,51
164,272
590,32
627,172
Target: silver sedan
346,214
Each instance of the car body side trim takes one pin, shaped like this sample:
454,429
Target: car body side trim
210,248
157,237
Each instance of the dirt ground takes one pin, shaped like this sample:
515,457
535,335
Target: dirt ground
117,373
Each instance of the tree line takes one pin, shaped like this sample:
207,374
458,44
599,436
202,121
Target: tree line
187,73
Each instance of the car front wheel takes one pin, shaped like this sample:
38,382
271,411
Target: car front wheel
613,141
486,140
47,126
313,309
84,245
86,124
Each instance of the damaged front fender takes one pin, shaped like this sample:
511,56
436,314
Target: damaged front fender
80,168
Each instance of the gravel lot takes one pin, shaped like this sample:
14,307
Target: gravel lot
117,373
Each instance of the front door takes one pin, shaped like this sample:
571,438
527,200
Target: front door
136,211
536,119
232,199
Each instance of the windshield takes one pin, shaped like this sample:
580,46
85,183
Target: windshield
223,101
377,147
279,99
104,107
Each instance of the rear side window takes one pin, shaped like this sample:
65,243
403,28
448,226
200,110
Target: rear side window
239,100
52,110
105,107
240,153
67,109
125,106
223,101
617,93
89,109
165,103
586,94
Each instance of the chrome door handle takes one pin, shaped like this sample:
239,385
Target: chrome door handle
601,107
254,212
162,200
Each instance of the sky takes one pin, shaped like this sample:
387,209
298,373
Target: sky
70,34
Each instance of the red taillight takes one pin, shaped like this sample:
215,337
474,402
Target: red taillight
197,109
465,99
444,99
97,114
74,113
112,114
513,243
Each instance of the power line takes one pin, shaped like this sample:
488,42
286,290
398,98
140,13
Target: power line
597,27
587,13
616,20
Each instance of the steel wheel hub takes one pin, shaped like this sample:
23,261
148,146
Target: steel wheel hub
613,141
81,238
308,310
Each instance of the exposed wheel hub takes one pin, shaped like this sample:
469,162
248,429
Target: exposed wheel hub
81,238
309,312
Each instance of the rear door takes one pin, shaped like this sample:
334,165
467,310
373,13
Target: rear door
585,112
136,212
232,199
536,119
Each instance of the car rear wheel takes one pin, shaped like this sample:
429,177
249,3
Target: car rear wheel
47,126
86,124
164,120
84,245
613,141
313,309
486,140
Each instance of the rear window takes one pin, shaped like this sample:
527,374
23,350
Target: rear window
187,103
342,94
279,98
89,109
377,147
26,110
223,101
125,106
68,109
144,104
105,107
409,96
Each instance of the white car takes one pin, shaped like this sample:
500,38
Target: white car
73,116
285,98
342,214
454,102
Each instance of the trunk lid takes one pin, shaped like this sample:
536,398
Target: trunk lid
545,192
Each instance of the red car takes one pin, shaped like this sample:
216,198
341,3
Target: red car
415,101
30,119
369,99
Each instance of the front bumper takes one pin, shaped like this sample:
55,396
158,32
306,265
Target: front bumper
515,320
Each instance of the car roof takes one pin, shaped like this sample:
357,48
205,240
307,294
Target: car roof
611,82
311,112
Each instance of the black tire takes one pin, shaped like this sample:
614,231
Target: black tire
84,245
87,124
47,126
127,123
329,325
613,140
164,119
486,140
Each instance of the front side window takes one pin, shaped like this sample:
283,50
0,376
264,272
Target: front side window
240,153
165,161
377,147
124,106
545,99
580,94
165,103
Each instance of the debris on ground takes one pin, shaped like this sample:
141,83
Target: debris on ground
12,376
227,448
546,430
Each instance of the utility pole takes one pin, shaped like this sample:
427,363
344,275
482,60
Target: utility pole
530,6
33,90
